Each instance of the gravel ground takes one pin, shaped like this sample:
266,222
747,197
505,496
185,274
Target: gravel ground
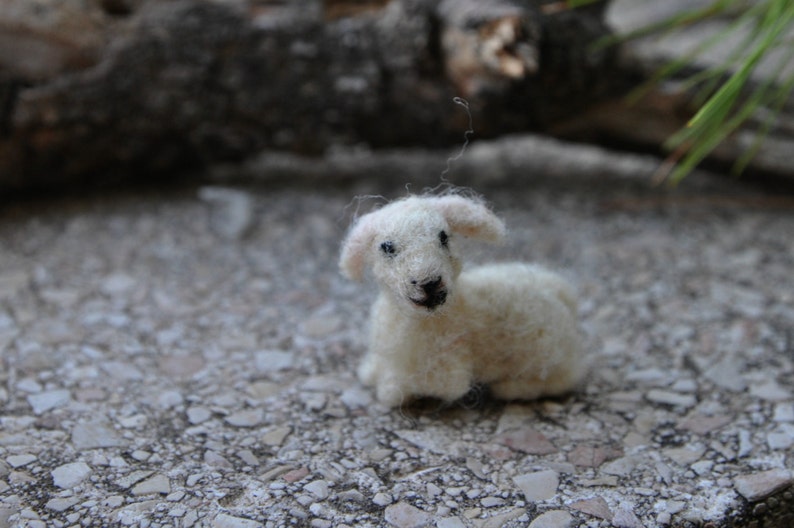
186,358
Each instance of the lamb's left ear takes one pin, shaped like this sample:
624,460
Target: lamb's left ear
470,218
354,248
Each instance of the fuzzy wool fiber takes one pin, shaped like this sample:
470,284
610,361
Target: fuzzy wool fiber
436,331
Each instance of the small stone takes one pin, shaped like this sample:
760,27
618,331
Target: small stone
197,415
296,475
501,519
246,418
784,412
59,504
538,486
356,398
726,374
273,360
702,425
211,458
140,455
69,475
589,456
29,385
275,437
527,441
625,518
114,501
318,488
552,519
28,513
757,486
780,440
702,467
46,401
169,399
351,496
93,435
771,391
684,455
450,522
382,499
18,461
223,520
261,390
232,211
156,484
671,398
247,456
403,515
597,507
175,496
620,467
136,421
491,502
136,476
684,385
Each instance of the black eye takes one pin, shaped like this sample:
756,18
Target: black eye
388,248
443,238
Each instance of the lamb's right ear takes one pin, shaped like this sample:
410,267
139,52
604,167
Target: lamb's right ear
471,218
354,248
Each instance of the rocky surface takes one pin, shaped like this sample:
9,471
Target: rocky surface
186,358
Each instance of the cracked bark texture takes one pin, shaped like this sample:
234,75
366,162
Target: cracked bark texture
109,90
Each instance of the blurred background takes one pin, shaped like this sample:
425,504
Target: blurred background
109,91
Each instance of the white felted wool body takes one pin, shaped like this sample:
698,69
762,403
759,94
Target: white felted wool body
436,331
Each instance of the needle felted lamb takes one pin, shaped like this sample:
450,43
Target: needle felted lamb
436,331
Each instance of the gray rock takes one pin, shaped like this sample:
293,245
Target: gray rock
69,475
197,415
61,504
223,520
18,461
93,435
596,506
625,518
130,479
318,488
273,360
382,499
46,401
246,418
403,515
538,486
552,519
671,398
756,486
232,212
157,484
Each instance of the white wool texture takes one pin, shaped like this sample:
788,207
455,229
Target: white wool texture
435,332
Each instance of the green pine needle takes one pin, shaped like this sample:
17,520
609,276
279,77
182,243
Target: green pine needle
728,93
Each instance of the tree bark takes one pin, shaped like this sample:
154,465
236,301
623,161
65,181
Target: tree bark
153,88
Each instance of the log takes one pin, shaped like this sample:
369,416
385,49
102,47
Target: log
116,90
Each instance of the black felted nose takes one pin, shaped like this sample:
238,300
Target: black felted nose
435,294
431,287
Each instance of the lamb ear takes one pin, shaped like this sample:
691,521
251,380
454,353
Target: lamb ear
471,218
354,248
